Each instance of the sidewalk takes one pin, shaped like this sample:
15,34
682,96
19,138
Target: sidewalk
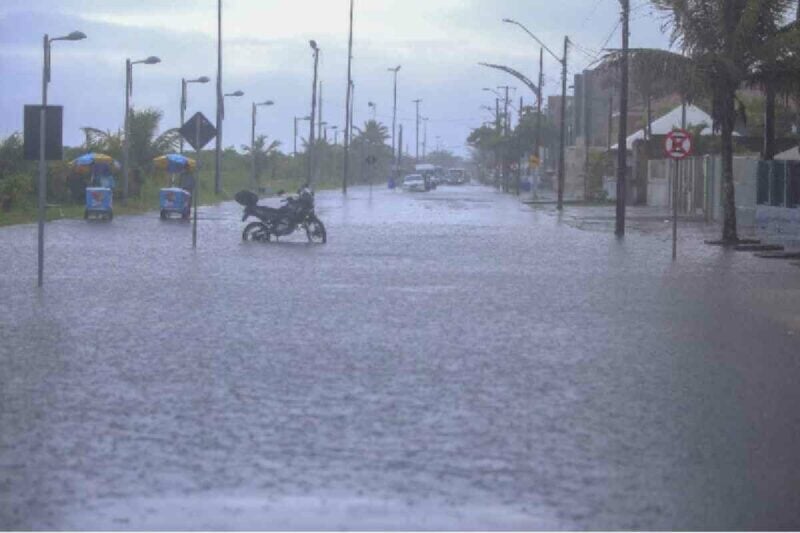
649,220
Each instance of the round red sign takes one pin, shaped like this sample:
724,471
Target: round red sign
678,144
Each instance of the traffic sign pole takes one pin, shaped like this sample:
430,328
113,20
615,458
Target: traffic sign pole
196,191
677,146
675,211
197,131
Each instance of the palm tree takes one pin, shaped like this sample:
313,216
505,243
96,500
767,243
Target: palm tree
374,133
145,144
726,40
263,153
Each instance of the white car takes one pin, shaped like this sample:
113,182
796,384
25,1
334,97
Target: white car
414,182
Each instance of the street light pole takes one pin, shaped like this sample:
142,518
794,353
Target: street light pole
310,155
152,60
622,142
295,132
416,153
505,136
220,107
347,117
184,83
562,148
253,139
394,115
538,140
46,41
424,138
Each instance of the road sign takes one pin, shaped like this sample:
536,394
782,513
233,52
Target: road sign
198,131
534,161
678,144
53,147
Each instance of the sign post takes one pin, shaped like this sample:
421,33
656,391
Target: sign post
197,131
677,146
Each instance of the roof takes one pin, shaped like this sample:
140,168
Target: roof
666,123
792,154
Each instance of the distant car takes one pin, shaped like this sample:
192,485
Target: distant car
414,182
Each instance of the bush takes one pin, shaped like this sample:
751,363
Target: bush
14,189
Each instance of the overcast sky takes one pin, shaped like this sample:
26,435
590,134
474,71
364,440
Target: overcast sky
266,54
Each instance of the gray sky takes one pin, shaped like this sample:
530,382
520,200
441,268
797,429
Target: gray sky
266,54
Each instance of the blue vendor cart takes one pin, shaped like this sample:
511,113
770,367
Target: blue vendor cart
176,200
99,193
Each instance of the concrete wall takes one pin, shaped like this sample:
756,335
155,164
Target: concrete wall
703,186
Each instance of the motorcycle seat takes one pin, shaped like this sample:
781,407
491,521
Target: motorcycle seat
263,211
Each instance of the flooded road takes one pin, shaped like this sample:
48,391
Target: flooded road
451,359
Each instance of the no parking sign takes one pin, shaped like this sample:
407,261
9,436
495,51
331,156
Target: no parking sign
678,144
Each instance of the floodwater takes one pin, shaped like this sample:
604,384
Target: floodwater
452,359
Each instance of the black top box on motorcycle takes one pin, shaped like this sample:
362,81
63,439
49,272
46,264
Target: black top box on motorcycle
246,198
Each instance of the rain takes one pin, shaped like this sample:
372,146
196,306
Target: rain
390,297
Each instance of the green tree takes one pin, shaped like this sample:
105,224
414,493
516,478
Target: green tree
263,152
145,143
726,40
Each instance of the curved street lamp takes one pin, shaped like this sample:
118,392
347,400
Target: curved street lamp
151,60
253,136
47,41
184,83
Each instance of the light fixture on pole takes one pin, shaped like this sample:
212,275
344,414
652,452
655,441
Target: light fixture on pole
47,41
562,148
253,138
335,135
184,83
152,60
374,107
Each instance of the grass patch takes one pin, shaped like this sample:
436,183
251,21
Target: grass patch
233,181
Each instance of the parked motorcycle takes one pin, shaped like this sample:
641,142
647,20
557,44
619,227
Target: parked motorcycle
297,212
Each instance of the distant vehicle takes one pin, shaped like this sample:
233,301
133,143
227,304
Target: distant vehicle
432,174
456,176
415,182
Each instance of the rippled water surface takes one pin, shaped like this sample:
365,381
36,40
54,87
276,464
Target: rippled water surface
452,359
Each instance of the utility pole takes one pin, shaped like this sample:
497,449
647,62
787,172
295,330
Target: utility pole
416,156
394,118
563,147
505,136
424,138
622,146
347,123
519,162
538,137
220,104
310,151
400,148
319,113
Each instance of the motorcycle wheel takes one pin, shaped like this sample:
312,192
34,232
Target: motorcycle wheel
257,232
315,231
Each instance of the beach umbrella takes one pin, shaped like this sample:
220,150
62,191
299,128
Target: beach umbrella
174,163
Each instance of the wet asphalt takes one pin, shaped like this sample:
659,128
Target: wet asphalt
451,359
